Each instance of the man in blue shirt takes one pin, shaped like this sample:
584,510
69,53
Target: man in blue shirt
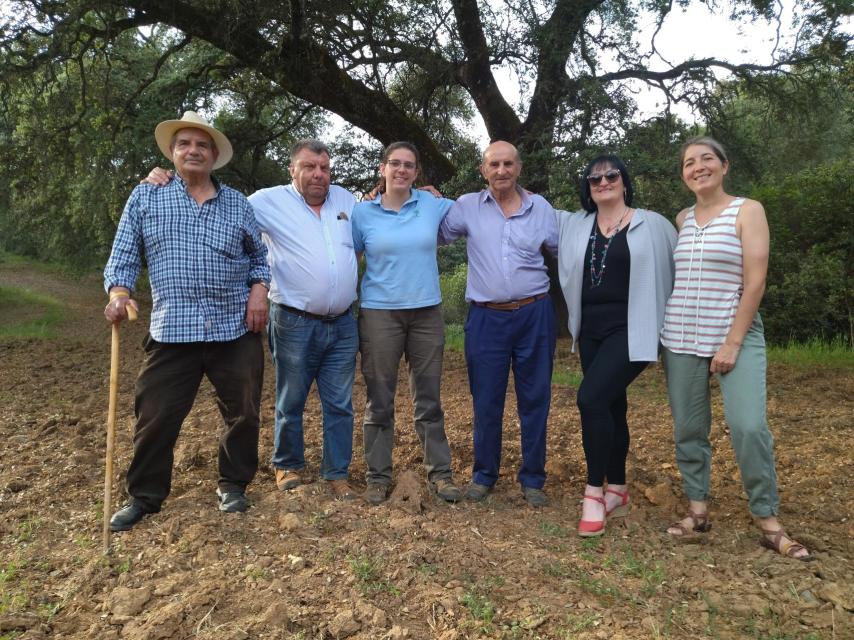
511,319
312,331
209,279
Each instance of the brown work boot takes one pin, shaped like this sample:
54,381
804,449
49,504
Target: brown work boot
447,490
287,479
341,489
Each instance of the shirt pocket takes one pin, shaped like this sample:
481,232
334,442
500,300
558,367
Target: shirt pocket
225,239
344,228
525,243
154,234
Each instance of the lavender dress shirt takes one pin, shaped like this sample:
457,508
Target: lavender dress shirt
504,254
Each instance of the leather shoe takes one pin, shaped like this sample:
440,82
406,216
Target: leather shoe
232,501
447,490
535,497
477,492
125,518
375,493
341,489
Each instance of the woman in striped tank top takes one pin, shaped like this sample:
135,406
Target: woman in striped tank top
712,326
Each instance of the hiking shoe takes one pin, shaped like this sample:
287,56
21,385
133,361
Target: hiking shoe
287,479
447,490
232,501
341,490
375,493
535,497
477,492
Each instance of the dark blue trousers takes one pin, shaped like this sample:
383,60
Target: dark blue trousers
495,341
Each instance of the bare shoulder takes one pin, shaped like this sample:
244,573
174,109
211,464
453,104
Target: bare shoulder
680,217
752,209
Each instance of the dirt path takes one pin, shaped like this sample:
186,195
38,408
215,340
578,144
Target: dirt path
300,565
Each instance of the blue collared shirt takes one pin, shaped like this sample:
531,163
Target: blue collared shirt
311,257
400,251
200,260
504,254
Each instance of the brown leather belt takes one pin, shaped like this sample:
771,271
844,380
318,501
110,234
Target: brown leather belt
511,305
310,316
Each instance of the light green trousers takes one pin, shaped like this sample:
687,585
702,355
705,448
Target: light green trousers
743,391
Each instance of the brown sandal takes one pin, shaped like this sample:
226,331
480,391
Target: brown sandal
699,524
783,544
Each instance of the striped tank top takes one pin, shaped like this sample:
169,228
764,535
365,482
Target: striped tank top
708,286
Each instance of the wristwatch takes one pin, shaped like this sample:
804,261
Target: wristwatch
260,281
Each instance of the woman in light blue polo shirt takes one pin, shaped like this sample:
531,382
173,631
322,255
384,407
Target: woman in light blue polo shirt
401,315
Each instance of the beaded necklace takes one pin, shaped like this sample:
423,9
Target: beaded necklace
596,276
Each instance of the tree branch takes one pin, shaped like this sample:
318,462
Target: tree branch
477,77
306,70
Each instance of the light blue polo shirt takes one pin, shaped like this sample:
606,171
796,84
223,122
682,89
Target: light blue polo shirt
400,251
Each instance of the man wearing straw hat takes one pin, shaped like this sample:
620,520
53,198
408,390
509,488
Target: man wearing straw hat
209,280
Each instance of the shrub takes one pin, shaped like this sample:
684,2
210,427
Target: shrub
453,286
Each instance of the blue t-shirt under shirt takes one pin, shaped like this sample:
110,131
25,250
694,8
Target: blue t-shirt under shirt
400,251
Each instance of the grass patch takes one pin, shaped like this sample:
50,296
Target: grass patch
835,354
455,337
480,607
566,377
27,315
14,260
368,571
551,529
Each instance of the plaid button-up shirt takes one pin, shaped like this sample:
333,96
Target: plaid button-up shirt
200,260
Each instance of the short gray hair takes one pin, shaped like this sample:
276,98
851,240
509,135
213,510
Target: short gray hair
312,144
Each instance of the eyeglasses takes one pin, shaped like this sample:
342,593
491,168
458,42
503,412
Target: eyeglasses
611,175
397,164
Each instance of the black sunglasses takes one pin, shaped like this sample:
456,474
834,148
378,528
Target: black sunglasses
611,175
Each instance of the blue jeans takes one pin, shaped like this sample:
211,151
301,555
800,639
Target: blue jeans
304,351
496,341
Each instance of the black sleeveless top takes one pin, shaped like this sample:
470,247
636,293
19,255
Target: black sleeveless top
605,307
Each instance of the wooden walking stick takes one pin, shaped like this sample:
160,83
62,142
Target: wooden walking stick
111,426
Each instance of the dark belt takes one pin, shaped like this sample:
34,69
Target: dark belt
310,316
511,305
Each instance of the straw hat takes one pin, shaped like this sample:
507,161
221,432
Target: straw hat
191,120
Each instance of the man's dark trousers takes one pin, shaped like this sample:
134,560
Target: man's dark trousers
165,391
494,341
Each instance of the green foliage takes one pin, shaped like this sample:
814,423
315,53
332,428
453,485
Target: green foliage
454,337
78,137
452,256
775,126
453,287
812,235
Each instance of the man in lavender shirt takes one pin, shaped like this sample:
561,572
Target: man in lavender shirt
511,319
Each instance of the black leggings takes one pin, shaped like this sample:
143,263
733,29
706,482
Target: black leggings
602,403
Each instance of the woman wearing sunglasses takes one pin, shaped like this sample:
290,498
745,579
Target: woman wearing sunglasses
401,315
616,271
712,326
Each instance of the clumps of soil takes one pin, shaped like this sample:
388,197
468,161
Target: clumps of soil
302,565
